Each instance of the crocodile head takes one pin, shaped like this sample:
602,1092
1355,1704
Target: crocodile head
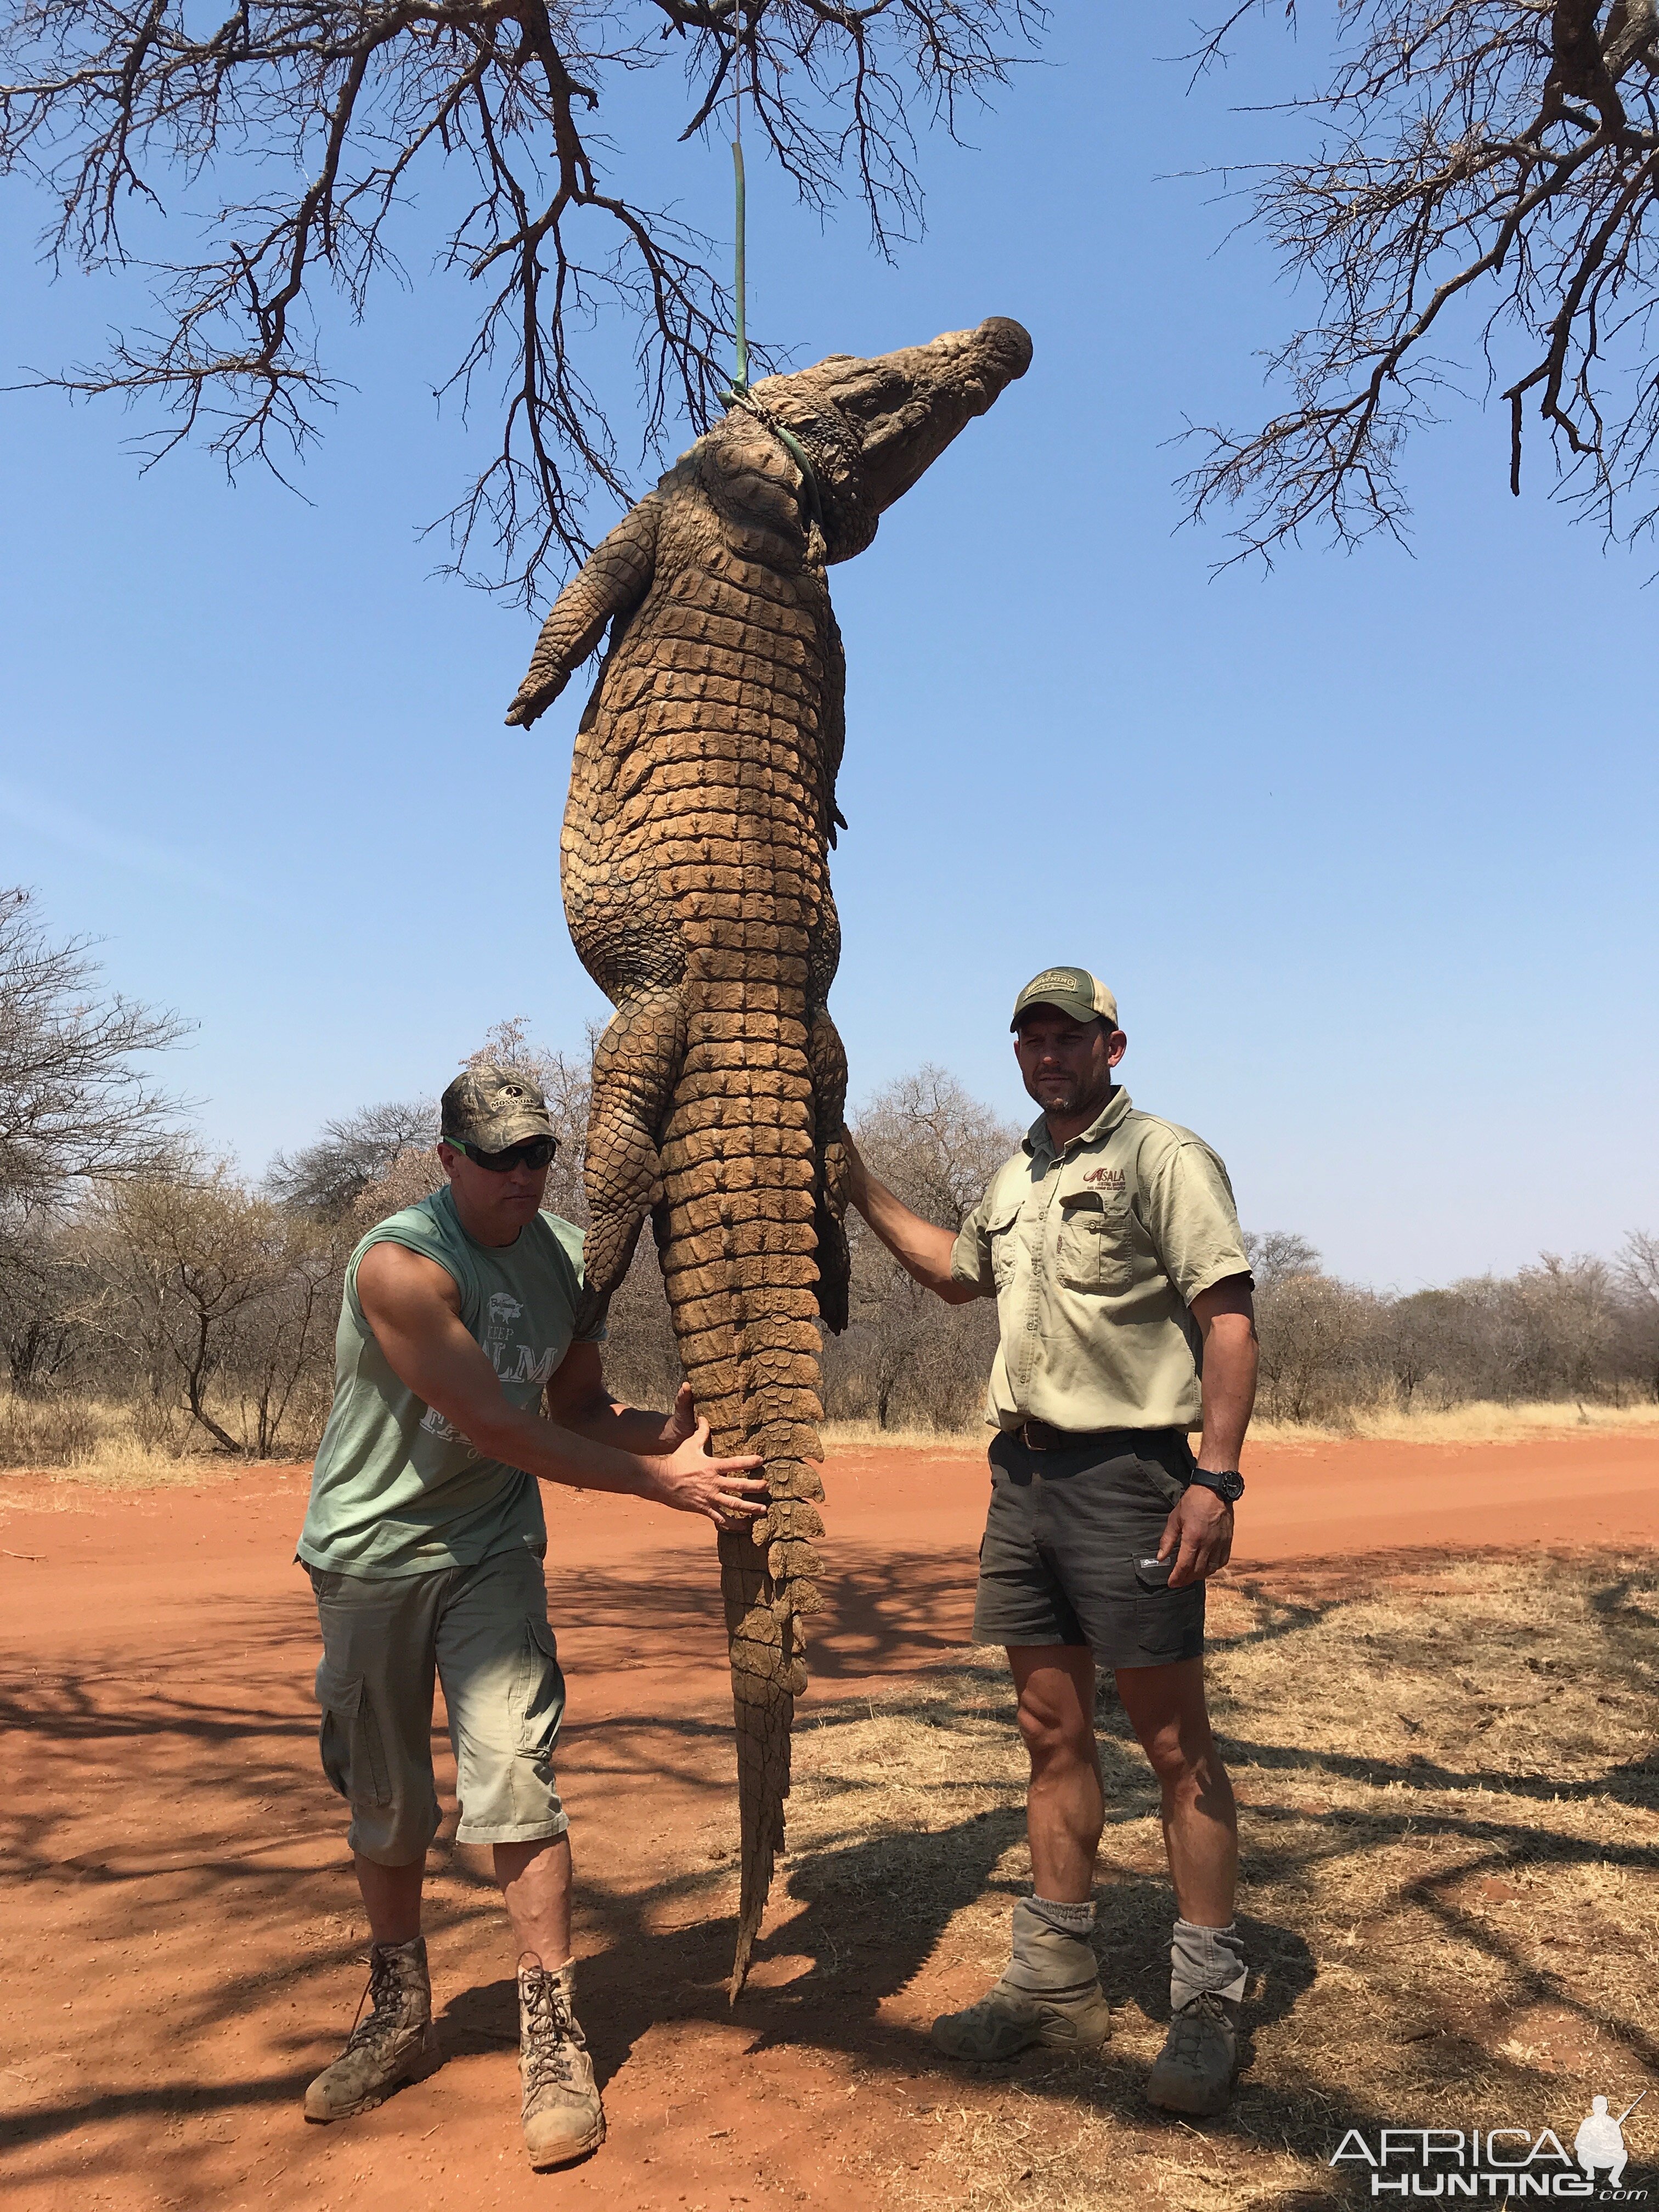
870,428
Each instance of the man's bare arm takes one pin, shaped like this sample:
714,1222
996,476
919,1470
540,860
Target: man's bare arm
414,1308
577,1399
1225,1314
922,1248
1200,1530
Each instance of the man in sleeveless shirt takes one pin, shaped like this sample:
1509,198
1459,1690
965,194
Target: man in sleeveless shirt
424,1539
1112,1247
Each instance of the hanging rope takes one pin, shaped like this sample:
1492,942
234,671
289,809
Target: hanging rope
740,381
737,393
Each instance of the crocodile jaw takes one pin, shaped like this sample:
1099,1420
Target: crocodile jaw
873,427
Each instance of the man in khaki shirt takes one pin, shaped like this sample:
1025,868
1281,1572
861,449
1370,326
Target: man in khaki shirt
1111,1244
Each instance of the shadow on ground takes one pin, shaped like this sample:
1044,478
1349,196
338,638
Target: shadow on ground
192,1807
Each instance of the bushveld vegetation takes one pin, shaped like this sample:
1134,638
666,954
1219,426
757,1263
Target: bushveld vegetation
155,1303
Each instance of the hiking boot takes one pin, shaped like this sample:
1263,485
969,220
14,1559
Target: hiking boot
396,2043
564,2118
1196,2068
1049,1993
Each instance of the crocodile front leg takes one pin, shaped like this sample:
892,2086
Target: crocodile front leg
634,1070
609,586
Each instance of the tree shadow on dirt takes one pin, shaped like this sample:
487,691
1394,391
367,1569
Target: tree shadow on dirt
875,1907
224,1791
882,1611
873,1915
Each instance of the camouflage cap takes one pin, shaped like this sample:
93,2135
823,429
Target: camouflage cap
1074,990
493,1107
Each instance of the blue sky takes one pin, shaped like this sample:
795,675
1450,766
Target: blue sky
1364,846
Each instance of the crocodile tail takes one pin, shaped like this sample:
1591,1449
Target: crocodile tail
740,1264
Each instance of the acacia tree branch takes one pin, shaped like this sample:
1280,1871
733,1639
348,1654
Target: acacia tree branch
335,112
1504,152
76,1101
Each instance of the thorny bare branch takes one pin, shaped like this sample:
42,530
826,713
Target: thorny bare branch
126,111
1486,176
76,1101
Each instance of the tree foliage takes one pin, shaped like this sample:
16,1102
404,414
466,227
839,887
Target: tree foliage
76,1101
216,1296
1276,1255
1576,1330
906,1357
328,1176
1479,195
308,146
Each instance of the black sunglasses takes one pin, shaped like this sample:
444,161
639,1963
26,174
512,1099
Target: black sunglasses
534,1152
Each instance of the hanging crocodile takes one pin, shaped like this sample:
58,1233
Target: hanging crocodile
696,877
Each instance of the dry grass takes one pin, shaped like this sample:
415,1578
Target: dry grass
840,1438
1450,1823
92,1440
1478,1422
95,1440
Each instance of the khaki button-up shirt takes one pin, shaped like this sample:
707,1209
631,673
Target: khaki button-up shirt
1094,1256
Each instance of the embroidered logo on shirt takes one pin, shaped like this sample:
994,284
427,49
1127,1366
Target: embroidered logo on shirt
1107,1178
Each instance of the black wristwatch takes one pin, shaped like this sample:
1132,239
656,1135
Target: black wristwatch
1230,1486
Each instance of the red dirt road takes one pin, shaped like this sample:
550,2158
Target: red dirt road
183,1939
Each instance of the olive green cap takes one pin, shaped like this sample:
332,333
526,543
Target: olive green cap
1074,990
493,1107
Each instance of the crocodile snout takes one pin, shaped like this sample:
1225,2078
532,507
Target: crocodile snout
929,394
1009,342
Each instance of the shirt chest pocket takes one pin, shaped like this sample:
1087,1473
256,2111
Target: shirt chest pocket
1095,1249
1002,1232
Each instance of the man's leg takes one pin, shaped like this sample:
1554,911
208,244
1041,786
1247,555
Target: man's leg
375,1686
1050,1991
391,1899
1197,2067
1064,1804
535,1883
1167,1711
498,1662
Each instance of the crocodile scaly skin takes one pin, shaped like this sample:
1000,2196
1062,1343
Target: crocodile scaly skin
697,886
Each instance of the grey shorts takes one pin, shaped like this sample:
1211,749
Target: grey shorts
1070,1549
483,1631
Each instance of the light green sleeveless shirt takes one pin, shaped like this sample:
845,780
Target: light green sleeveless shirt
395,1490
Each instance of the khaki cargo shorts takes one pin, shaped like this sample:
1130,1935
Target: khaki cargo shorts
1069,1555
482,1631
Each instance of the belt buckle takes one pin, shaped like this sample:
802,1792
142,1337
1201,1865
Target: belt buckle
1029,1437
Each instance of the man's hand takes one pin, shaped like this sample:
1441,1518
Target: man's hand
727,1492
1198,1535
858,1175
413,1307
682,1421
922,1248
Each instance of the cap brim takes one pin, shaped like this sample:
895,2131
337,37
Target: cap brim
1077,1009
503,1133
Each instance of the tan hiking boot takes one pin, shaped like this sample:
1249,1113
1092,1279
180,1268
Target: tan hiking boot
1196,2068
564,2118
1049,1993
396,2042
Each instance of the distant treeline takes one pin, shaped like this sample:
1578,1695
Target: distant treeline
137,1270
